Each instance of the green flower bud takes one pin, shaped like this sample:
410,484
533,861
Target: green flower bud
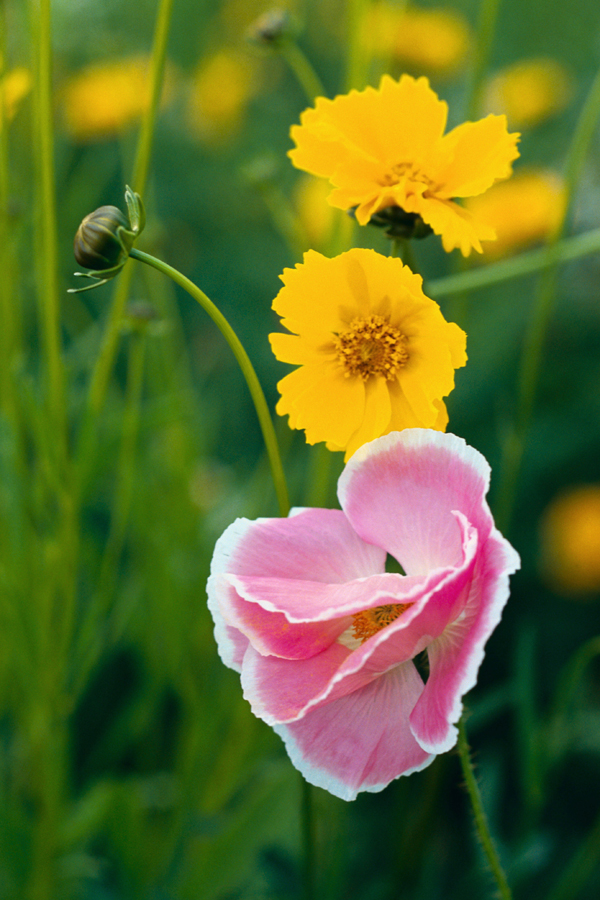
104,240
98,243
272,28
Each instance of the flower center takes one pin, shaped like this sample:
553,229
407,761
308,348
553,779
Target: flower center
404,171
371,346
370,621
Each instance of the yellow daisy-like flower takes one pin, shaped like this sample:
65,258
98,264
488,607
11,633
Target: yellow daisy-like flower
529,91
103,99
428,40
374,353
570,540
386,147
222,86
526,209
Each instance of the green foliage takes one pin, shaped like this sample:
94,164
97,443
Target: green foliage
130,765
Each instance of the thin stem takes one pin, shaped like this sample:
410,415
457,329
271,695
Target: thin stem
46,238
580,868
302,68
486,28
108,350
481,824
256,392
357,57
514,445
528,263
308,842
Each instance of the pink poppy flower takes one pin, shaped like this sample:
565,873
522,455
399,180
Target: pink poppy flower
325,638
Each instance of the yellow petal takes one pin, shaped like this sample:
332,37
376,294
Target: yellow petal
479,154
378,411
320,400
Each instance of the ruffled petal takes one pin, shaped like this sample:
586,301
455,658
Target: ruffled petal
362,741
400,492
316,541
455,656
282,690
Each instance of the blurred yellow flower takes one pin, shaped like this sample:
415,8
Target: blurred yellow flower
374,353
526,209
529,91
16,84
428,40
221,88
103,99
570,540
315,214
386,147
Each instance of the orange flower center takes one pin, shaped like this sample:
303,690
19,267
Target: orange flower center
370,621
404,171
371,346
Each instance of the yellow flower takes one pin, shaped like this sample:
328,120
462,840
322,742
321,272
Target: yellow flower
570,540
386,148
315,214
16,84
105,98
526,209
529,91
429,40
375,354
222,86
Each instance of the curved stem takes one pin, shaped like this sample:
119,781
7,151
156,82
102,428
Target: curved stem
262,410
481,823
298,62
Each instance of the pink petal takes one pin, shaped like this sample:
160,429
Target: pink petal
399,493
318,542
455,656
282,690
362,741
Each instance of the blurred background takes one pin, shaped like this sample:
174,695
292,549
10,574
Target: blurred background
130,765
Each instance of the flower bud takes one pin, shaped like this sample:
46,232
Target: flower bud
272,28
105,238
98,243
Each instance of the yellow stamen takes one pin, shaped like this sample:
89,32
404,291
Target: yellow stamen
370,621
371,346
404,171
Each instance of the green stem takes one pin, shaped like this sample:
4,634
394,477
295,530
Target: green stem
46,239
126,464
568,684
300,65
580,868
514,445
486,28
308,842
357,58
108,350
481,823
528,263
256,392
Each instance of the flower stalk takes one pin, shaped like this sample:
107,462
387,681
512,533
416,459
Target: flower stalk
256,391
481,823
